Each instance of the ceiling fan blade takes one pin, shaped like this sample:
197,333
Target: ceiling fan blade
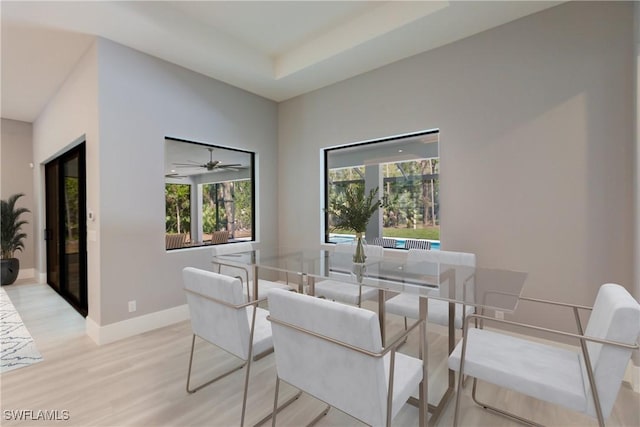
188,162
179,165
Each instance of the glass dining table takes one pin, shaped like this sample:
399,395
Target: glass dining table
482,288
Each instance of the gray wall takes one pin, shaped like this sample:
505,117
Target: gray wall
142,100
69,118
16,154
124,103
536,143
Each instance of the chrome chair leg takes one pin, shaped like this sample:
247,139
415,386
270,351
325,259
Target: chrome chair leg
456,413
318,417
190,391
277,408
246,387
280,408
275,403
498,411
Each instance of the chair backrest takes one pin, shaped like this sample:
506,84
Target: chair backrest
372,251
345,248
450,258
232,248
385,242
417,244
344,378
615,317
224,326
218,237
174,241
443,257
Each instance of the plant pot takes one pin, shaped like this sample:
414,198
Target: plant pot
10,270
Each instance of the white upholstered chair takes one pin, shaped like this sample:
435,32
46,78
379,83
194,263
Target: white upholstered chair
242,271
334,352
585,380
337,290
408,305
220,316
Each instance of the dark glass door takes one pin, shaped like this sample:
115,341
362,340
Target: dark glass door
66,227
52,230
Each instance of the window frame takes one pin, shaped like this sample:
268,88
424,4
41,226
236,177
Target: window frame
199,204
325,233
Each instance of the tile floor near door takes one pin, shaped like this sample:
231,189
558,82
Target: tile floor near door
140,381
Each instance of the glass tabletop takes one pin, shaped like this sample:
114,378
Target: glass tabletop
491,288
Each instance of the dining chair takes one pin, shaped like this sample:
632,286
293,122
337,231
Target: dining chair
334,352
220,316
242,271
417,244
219,237
408,305
175,240
337,290
385,242
585,380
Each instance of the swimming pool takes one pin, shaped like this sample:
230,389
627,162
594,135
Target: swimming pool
344,238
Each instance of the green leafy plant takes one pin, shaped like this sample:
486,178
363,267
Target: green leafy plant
11,236
352,210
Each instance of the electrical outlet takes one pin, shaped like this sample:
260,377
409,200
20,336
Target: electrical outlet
499,315
132,306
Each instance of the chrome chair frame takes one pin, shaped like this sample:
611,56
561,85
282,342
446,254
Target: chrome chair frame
247,362
392,348
583,339
220,264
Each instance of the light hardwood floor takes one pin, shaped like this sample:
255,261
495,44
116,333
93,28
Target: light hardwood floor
140,381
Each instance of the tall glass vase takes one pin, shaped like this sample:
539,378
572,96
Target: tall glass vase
359,256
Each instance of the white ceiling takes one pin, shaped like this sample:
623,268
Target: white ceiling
276,49
180,153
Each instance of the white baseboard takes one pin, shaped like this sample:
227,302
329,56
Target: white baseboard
26,273
136,325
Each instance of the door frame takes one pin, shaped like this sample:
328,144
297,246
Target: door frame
79,303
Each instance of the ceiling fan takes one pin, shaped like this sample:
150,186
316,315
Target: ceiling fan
211,165
174,175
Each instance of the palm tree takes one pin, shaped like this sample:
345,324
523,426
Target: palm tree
11,236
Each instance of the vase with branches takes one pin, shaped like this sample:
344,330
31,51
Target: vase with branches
352,211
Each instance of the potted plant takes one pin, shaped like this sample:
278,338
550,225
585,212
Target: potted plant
352,211
11,238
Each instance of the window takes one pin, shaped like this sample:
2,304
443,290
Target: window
406,171
178,209
209,194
